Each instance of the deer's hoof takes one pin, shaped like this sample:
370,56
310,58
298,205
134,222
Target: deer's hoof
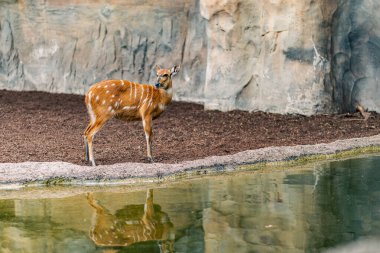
150,160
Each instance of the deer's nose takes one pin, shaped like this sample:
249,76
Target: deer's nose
157,85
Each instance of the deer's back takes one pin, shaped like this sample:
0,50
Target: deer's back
124,100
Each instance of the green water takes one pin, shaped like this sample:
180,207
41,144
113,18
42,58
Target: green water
290,210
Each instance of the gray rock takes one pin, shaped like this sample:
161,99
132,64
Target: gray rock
356,35
276,56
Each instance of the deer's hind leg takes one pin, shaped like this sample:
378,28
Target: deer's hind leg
86,142
94,203
89,134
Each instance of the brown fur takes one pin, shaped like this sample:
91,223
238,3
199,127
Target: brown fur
128,101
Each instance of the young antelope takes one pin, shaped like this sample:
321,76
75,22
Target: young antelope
128,101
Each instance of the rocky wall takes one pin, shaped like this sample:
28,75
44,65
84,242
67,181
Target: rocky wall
283,56
65,46
268,55
356,55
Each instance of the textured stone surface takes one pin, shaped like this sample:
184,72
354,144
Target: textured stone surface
268,55
281,56
356,55
65,46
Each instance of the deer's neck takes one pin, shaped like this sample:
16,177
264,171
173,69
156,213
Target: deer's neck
166,95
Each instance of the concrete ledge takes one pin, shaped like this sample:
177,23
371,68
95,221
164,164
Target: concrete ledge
47,173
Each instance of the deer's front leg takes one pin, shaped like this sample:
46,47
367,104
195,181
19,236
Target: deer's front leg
147,123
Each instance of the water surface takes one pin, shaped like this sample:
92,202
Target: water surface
290,210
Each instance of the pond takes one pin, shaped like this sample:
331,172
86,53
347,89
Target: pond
307,209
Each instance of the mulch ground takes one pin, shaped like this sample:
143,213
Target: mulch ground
38,126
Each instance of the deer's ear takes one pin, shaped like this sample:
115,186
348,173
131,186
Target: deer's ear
175,70
157,68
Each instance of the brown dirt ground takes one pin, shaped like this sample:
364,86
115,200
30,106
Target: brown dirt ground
38,126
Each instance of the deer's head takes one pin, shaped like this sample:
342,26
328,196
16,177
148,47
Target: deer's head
164,77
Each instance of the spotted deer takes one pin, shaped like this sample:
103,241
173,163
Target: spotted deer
127,101
132,224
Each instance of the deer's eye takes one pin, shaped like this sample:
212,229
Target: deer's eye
165,75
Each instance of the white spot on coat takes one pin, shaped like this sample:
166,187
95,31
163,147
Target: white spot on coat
91,113
161,106
129,108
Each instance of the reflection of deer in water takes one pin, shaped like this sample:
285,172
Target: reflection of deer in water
132,224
